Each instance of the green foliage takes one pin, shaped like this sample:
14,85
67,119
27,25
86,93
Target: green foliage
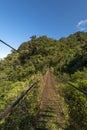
66,57
77,108
24,115
77,101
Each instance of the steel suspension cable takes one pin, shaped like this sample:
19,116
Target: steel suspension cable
79,89
8,45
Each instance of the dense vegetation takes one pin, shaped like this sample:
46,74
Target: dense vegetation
67,58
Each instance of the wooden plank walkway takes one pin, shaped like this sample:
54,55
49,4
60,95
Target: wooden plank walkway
51,115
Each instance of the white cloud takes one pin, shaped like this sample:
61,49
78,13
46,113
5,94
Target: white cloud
82,25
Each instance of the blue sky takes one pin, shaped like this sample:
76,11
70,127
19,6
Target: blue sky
20,19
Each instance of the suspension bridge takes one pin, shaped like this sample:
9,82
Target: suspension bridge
50,115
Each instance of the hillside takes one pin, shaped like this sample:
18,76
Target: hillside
67,60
